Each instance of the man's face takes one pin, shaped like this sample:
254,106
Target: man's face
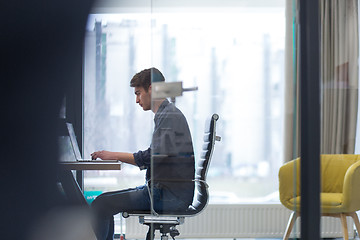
143,98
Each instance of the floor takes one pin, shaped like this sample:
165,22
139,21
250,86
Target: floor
357,238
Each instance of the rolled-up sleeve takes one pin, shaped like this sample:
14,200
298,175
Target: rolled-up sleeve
143,158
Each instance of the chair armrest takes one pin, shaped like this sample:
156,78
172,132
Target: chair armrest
287,173
351,188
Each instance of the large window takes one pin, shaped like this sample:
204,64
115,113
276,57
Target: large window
235,56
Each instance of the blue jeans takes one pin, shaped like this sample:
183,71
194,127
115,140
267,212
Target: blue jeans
106,205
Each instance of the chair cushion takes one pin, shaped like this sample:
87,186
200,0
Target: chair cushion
330,203
331,199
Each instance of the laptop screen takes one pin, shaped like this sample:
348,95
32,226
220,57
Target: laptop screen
73,141
66,151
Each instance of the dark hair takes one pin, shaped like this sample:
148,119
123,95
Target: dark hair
146,77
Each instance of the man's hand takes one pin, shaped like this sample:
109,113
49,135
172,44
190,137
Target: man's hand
104,155
119,156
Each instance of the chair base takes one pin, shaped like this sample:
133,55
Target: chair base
166,225
342,216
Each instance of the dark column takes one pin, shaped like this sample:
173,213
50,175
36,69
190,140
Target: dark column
41,51
310,118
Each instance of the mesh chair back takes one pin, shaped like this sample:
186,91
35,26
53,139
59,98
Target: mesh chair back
201,190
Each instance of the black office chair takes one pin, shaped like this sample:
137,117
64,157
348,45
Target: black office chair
166,222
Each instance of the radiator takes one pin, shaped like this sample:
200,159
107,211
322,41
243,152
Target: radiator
240,221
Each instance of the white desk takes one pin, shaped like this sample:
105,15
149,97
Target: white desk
95,165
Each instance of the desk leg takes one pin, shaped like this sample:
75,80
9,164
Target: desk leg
71,188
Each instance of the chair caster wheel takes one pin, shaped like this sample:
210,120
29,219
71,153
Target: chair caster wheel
174,232
164,237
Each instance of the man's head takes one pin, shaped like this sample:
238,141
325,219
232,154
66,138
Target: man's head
142,84
146,77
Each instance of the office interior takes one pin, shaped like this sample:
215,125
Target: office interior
72,61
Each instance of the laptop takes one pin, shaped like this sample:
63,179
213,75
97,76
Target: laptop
76,148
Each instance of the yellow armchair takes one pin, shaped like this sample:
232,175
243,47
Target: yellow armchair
340,189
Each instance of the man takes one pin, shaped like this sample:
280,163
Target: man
169,163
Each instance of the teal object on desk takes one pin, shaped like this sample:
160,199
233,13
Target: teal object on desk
91,195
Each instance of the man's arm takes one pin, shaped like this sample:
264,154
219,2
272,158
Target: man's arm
120,156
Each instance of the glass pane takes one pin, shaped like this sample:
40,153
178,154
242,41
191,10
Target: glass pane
339,113
113,121
235,75
239,71
339,79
